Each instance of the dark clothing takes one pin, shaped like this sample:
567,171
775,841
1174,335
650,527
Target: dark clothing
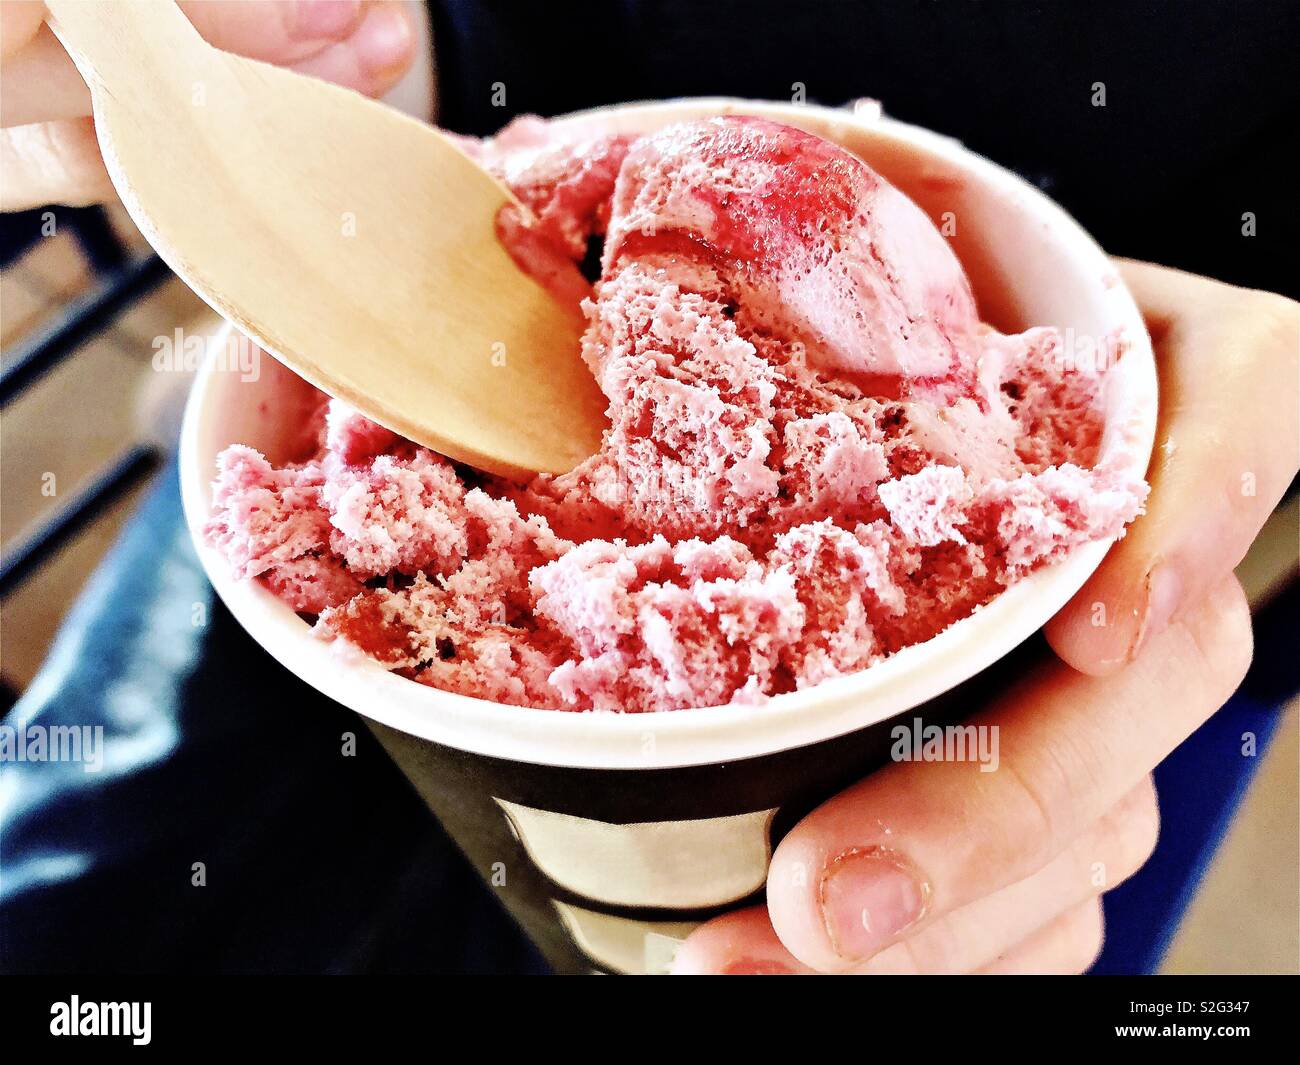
1201,115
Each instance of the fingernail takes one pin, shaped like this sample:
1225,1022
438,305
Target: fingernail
762,967
383,41
325,20
868,896
1164,591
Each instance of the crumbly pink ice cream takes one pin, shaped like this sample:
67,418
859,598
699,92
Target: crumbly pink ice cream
817,453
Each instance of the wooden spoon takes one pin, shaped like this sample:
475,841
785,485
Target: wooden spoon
353,243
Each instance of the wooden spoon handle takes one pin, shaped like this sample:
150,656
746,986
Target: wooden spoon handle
113,42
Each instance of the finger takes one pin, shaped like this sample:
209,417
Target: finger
19,22
39,82
737,944
976,934
276,32
44,83
374,59
1066,947
972,936
35,64
1228,444
915,841
52,162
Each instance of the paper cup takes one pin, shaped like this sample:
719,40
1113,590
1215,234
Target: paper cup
609,836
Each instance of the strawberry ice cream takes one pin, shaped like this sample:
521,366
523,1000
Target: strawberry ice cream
817,454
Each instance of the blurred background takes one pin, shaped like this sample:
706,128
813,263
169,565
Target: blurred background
89,422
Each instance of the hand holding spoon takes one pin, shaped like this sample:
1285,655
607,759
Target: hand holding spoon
353,243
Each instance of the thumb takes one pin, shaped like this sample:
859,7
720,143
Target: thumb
1227,446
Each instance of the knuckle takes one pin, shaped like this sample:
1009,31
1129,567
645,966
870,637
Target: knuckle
1241,650
284,17
52,162
1224,639
1144,826
1235,645
937,951
1087,937
1275,320
1029,820
69,156
1135,831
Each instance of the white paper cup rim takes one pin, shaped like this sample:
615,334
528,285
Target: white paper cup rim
710,735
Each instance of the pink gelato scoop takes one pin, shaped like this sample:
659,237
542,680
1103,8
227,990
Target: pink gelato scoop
806,240
817,453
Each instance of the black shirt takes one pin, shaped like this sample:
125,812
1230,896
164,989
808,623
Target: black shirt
1201,113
